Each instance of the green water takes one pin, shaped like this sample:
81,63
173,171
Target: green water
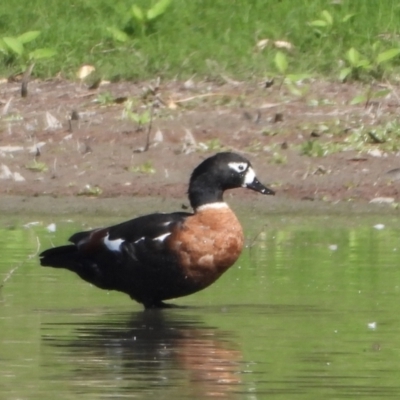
309,311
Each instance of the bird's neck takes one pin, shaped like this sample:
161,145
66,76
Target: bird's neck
203,191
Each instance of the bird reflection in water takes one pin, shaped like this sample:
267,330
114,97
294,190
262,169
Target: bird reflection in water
149,351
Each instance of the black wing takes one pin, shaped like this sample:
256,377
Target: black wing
131,257
146,227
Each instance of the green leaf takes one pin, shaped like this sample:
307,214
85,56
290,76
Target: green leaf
137,13
387,55
294,90
365,64
158,9
380,93
145,168
145,118
353,56
344,73
36,166
318,23
327,16
348,17
117,34
14,45
90,191
297,77
28,36
3,46
281,62
358,100
375,47
42,53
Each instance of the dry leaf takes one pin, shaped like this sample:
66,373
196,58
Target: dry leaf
172,105
262,44
85,71
52,122
158,137
5,172
281,44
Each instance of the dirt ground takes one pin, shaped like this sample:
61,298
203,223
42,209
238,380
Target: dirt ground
98,152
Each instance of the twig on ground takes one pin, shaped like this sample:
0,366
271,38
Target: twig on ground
203,95
25,80
147,145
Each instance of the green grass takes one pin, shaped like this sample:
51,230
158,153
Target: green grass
203,37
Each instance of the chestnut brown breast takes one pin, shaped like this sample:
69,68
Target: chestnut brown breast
207,244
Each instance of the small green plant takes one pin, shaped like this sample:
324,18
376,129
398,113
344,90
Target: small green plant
325,21
314,148
290,80
37,166
386,137
105,99
91,191
117,34
15,51
145,168
281,62
369,95
376,65
139,20
213,145
141,119
146,18
326,25
278,158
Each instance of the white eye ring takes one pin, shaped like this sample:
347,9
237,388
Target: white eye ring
238,166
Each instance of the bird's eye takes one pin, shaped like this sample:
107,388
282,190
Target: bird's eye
238,166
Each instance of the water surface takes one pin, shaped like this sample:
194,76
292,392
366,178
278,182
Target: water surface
309,311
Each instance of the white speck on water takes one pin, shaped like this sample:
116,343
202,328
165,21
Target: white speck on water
371,325
52,227
379,226
333,247
30,224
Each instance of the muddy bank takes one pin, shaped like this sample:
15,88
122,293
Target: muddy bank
65,141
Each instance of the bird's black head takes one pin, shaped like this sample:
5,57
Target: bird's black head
221,172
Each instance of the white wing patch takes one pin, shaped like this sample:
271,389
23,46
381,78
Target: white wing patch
161,238
238,166
113,245
249,177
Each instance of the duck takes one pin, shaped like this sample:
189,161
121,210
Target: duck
163,256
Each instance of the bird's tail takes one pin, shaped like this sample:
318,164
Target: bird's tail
71,258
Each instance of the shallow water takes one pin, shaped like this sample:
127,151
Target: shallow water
309,311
